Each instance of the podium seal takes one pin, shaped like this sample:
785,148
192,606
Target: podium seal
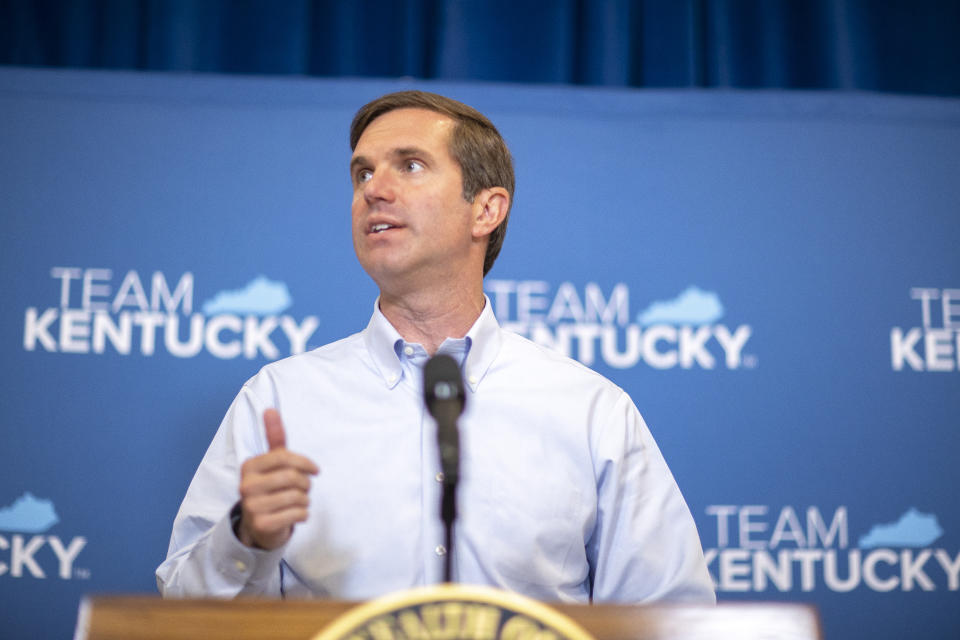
453,612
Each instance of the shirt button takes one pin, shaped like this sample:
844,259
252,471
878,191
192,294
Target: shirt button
408,350
439,476
472,380
240,565
440,550
392,377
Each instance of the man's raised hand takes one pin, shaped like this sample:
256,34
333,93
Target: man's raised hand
274,490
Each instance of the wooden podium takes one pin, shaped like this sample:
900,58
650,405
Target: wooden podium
152,618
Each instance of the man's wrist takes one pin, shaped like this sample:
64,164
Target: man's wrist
236,524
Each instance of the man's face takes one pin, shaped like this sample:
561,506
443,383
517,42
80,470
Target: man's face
410,221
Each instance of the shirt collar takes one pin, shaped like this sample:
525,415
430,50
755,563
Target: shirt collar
482,343
484,338
381,339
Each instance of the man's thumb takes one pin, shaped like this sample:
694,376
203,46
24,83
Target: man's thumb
273,425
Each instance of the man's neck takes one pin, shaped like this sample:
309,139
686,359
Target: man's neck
430,317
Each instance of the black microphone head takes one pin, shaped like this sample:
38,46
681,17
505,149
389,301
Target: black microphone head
442,381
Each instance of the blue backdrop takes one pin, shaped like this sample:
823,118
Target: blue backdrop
774,278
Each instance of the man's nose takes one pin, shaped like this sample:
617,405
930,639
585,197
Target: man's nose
380,186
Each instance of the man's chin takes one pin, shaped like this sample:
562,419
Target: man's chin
387,271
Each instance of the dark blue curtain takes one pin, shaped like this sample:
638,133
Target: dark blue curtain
882,45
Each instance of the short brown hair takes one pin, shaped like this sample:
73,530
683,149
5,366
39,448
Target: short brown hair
475,144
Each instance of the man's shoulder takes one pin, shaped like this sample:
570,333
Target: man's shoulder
329,356
541,361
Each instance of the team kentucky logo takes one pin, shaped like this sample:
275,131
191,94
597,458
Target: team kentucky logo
96,315
758,551
596,325
934,346
25,550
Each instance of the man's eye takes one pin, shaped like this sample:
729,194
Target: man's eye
412,166
363,175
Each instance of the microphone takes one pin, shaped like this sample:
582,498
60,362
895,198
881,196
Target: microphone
445,399
444,395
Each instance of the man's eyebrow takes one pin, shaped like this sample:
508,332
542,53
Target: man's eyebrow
357,160
399,152
403,152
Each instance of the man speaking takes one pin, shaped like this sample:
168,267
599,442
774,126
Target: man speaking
324,478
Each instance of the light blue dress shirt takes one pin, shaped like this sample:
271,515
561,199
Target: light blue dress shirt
564,495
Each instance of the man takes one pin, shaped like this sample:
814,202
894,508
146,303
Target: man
563,494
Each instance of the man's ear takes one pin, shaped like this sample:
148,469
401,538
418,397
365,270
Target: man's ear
490,207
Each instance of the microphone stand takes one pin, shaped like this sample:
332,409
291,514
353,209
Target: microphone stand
446,414
448,512
445,398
